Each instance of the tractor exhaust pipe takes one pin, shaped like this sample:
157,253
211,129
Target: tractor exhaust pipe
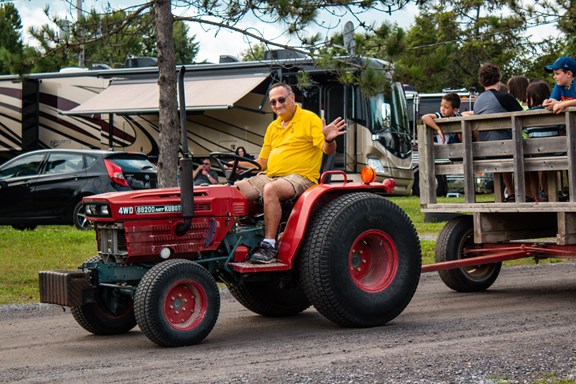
186,165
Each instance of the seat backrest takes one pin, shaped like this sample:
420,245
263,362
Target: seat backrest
327,165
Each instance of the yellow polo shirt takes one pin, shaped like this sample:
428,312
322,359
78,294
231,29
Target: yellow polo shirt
296,148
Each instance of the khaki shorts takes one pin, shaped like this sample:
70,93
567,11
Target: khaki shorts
299,183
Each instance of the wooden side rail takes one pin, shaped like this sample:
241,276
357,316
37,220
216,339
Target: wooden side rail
516,156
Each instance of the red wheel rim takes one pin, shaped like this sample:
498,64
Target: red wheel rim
373,261
185,305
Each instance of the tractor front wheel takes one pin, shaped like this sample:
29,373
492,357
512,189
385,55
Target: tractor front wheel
360,260
111,314
177,303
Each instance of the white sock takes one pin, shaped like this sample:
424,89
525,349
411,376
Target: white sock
272,242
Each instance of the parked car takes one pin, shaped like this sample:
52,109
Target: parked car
47,186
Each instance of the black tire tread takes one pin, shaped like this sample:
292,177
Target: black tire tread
87,318
147,300
448,240
267,300
316,257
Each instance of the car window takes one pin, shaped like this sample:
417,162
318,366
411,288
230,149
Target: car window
134,165
25,166
64,163
89,160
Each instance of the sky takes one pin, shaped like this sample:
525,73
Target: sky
212,44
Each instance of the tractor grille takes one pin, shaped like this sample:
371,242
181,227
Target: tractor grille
111,240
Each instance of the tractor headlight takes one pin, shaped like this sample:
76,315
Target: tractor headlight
97,210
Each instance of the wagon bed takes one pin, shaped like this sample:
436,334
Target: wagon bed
502,230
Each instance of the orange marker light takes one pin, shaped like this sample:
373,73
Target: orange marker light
368,175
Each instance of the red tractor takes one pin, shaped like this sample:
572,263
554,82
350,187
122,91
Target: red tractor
345,249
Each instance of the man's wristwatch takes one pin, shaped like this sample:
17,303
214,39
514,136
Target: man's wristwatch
329,141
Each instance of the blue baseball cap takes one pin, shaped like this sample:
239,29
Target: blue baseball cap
564,62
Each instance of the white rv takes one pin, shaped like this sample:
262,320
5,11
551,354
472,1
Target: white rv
226,104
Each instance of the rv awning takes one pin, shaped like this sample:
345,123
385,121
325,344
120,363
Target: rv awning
131,97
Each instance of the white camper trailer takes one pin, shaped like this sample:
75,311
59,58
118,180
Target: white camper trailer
226,104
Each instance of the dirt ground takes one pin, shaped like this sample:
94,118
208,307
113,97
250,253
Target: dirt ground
520,330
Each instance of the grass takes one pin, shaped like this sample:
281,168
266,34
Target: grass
24,253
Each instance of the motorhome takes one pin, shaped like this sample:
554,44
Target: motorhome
226,103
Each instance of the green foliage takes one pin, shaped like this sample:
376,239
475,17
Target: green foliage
450,40
255,52
11,46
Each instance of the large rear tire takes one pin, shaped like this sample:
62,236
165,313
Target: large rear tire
268,298
177,303
113,312
457,236
360,261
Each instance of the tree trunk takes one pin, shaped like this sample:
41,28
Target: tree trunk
168,120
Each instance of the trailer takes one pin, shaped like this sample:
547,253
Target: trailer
473,244
226,106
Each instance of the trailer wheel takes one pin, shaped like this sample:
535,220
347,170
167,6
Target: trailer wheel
111,314
177,303
360,261
268,298
456,236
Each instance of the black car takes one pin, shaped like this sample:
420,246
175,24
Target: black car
47,186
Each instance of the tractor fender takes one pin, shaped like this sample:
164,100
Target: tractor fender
312,199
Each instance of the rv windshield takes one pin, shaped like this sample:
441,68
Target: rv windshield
388,121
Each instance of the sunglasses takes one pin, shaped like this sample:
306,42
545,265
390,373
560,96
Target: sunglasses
206,163
280,100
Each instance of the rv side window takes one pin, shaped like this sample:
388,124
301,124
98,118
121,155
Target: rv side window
359,107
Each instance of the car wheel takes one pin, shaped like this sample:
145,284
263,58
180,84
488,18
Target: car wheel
79,218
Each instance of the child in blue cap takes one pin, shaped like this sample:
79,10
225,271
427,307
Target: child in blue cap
564,92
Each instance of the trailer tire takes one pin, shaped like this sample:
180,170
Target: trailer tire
456,235
267,298
360,261
112,314
177,303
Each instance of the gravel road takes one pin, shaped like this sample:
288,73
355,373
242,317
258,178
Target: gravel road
520,330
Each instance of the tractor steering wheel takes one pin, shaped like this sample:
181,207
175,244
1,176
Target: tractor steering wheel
234,171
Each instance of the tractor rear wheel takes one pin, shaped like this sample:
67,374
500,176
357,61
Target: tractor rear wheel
360,261
177,303
111,314
456,236
268,298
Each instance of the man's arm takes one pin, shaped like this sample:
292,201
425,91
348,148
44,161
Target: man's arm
212,177
196,172
331,132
